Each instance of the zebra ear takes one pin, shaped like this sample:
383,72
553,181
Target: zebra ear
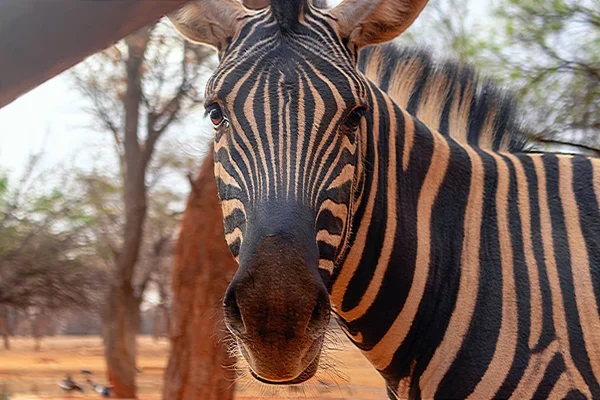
367,22
212,22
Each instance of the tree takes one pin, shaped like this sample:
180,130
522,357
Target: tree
44,266
103,192
4,327
163,225
137,90
546,51
447,27
200,366
551,53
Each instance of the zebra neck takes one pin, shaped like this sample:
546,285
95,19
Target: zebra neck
399,232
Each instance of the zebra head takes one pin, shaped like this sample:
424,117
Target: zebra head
290,111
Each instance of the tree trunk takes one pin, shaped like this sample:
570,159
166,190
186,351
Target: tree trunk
159,322
163,308
156,323
4,327
161,313
120,325
121,317
40,325
199,365
165,311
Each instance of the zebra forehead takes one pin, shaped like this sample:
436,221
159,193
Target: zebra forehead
266,61
289,77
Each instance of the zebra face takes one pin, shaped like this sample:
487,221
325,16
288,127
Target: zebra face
290,110
287,123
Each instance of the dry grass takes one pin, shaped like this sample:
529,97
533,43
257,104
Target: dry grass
26,374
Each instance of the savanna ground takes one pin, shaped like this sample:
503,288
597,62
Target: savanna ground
27,374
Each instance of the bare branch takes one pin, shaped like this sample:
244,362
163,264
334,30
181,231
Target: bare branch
566,143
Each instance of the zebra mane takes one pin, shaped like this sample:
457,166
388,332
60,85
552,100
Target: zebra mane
287,12
448,96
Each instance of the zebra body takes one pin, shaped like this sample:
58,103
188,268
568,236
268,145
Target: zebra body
457,270
482,268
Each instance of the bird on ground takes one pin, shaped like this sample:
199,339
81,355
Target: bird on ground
69,384
102,390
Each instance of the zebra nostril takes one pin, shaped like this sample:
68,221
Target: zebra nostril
316,314
233,314
319,317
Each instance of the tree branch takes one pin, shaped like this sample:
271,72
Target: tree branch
565,143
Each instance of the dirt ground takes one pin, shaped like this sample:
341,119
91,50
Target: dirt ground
26,374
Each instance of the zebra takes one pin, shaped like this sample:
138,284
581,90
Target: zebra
447,96
459,271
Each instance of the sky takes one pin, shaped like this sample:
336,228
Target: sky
48,117
52,117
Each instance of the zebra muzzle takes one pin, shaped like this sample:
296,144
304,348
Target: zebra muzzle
278,308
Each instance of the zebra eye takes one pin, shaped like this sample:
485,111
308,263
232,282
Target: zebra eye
353,119
216,115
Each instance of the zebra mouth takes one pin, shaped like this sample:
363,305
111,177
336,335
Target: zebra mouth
305,375
308,373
